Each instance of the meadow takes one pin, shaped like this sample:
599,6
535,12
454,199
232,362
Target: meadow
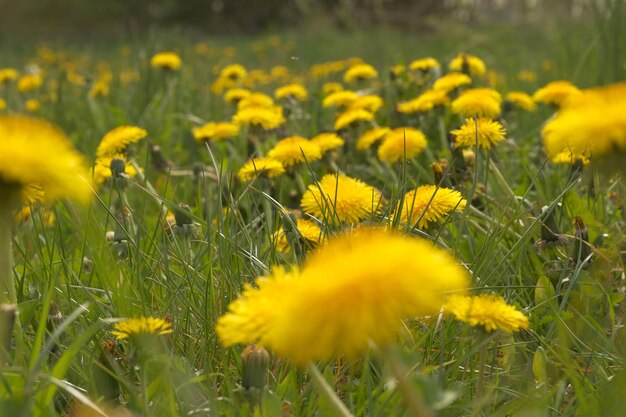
315,224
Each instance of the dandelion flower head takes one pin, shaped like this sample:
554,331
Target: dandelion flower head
360,72
555,92
429,204
426,101
400,143
352,116
295,150
521,100
485,131
215,131
342,98
479,102
260,166
452,81
166,60
267,118
424,64
468,63
297,91
308,229
328,141
487,310
369,138
117,140
141,326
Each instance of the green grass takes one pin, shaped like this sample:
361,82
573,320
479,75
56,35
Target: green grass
569,363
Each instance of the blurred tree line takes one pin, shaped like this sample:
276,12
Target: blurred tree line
249,16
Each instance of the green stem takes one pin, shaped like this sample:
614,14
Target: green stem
7,286
480,385
328,392
409,393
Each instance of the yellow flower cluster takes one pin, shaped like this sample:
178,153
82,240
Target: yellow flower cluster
489,311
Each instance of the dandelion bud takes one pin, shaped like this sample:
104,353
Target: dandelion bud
255,361
87,265
581,241
118,167
7,320
550,235
159,162
182,215
437,172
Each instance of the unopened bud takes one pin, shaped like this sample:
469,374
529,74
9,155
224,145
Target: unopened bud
581,241
255,361
182,215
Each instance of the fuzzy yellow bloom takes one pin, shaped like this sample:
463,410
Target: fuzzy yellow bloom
350,117
309,230
166,60
452,81
267,118
400,143
555,92
426,101
567,157
235,95
342,98
591,123
260,166
372,136
328,141
521,100
357,289
479,102
29,82
360,72
429,204
339,198
32,105
424,64
117,140
36,153
295,150
141,326
468,63
484,131
99,89
527,75
329,88
369,102
102,168
487,310
7,75
234,72
297,91
255,100
215,131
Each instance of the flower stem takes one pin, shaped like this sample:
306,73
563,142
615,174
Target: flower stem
7,286
327,391
480,384
409,393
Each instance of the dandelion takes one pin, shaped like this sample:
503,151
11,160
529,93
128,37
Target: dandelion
329,88
469,64
99,89
308,229
102,169
401,143
342,98
141,326
369,102
295,150
369,138
426,101
424,64
260,166
350,117
255,100
215,131
360,72
591,123
32,105
484,132
567,157
166,60
555,92
342,198
117,140
487,310
235,95
7,75
521,100
479,102
527,75
429,204
267,118
328,141
452,81
234,73
296,91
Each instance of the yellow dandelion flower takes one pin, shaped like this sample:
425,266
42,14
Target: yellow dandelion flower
521,100
102,168
36,153
235,95
567,157
166,60
260,166
402,142
32,105
424,64
357,289
297,91
479,102
7,75
426,101
233,73
341,198
489,311
328,141
527,75
484,130
397,70
295,150
342,98
138,326
370,137
117,140
215,131
350,117
255,100
555,92
267,118
467,63
369,102
429,204
360,72
329,88
452,81
592,123
99,89
308,229
29,82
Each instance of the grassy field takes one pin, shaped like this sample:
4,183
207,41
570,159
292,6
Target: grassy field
177,232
